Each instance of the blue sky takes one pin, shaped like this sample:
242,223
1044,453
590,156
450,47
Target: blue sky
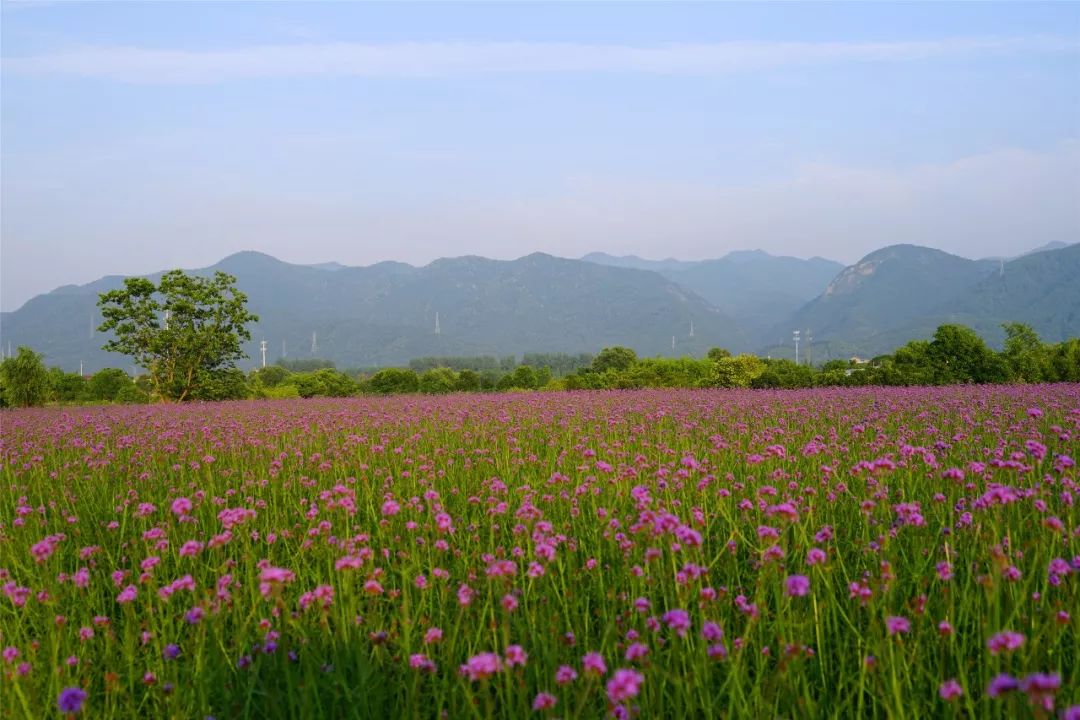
141,136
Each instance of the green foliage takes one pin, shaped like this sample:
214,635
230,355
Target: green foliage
783,374
270,376
735,372
323,383
958,354
718,353
207,321
132,395
1025,353
105,385
1064,361
393,381
614,358
438,381
468,381
522,378
25,379
281,392
66,387
221,384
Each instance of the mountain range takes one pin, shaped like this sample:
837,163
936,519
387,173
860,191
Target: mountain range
388,313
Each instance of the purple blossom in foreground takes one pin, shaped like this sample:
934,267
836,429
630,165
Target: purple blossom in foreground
71,700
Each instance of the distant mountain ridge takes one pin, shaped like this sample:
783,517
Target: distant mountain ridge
904,292
385,313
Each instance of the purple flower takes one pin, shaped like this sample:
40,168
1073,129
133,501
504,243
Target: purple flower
798,585
71,700
171,652
1002,684
678,620
1005,641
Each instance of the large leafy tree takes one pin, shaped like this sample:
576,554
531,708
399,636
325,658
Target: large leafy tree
958,354
1025,353
185,330
25,381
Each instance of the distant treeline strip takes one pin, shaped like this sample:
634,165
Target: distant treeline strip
955,354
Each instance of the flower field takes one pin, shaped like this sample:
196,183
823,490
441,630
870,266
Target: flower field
656,554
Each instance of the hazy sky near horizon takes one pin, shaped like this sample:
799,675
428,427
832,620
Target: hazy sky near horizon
142,136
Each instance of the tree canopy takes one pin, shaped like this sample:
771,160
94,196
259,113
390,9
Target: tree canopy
25,381
185,330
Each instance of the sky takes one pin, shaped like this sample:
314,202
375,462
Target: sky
137,137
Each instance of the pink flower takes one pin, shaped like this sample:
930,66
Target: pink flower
482,666
1005,641
272,577
950,690
44,549
433,635
127,594
815,556
544,701
515,655
624,685
636,651
594,663
798,585
509,603
897,625
191,548
181,506
565,675
422,663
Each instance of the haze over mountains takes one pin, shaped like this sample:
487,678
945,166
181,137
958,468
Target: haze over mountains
385,314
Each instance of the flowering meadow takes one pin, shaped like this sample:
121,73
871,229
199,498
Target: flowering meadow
858,552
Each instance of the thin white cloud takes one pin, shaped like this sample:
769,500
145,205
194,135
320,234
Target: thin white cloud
153,65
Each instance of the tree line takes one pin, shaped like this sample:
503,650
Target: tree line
955,354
